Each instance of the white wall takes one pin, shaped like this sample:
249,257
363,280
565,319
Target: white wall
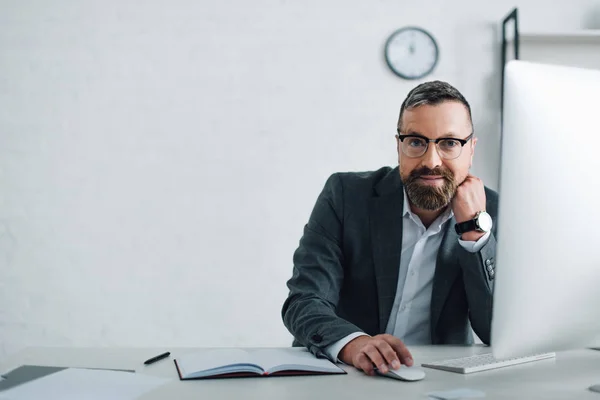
159,159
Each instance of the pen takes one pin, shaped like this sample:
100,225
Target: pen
157,358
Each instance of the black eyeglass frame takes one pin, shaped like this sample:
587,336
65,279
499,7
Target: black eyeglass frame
462,142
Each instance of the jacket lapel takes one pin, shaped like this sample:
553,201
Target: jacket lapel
446,270
386,235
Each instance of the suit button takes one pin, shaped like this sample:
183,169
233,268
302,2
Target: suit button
491,274
488,262
490,268
317,338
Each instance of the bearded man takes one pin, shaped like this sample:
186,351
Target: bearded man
399,256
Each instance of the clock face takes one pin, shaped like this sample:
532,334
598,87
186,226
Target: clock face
411,53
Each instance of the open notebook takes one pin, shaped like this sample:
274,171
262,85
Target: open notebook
232,362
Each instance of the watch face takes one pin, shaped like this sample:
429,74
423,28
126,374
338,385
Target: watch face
411,53
484,221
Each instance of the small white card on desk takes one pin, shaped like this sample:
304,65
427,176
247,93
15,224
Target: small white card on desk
455,394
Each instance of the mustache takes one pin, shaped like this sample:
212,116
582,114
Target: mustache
424,171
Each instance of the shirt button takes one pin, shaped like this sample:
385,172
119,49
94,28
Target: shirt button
412,273
402,308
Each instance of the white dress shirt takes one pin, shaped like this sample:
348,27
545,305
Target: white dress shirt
409,318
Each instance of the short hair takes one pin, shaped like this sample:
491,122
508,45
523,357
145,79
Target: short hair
432,93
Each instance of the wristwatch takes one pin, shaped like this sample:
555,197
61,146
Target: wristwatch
481,223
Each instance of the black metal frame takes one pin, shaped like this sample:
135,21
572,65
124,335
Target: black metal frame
512,16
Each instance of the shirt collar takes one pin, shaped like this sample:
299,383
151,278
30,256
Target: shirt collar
406,205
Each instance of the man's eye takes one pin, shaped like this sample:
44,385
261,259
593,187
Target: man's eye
416,143
448,144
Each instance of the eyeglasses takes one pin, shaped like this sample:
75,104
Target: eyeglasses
414,146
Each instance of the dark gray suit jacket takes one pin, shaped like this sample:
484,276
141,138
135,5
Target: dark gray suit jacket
346,268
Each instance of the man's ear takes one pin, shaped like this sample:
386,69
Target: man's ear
473,144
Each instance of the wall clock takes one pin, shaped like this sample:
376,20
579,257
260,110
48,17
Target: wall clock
411,53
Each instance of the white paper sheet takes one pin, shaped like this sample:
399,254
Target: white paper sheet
89,384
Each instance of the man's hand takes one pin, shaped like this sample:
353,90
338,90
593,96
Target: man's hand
382,351
467,202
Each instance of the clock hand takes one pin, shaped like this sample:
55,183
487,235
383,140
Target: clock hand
411,48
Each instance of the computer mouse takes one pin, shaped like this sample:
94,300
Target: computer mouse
409,374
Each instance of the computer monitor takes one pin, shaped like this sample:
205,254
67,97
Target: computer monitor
547,281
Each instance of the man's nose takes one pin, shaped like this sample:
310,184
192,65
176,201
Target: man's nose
431,158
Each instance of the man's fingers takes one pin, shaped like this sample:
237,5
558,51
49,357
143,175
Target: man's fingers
402,351
383,352
376,358
363,362
388,353
472,179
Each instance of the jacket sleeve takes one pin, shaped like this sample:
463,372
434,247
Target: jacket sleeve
478,271
309,312
478,275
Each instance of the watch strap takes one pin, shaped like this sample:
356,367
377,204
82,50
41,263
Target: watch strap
467,226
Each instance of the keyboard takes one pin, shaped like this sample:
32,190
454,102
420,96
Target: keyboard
483,362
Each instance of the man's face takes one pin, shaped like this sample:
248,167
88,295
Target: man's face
430,179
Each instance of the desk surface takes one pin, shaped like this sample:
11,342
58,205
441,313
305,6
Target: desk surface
566,377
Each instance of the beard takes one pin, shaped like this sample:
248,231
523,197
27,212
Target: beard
426,197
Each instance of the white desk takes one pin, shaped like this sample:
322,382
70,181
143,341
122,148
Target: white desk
566,377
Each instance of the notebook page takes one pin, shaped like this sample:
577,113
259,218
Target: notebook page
212,360
88,384
279,359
